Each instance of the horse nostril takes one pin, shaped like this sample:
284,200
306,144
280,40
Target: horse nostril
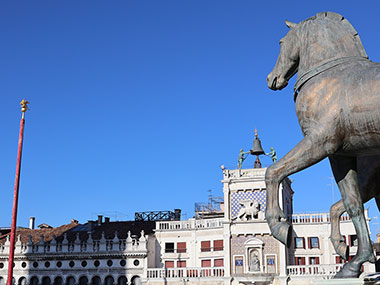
274,83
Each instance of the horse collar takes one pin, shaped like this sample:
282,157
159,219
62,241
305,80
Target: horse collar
301,80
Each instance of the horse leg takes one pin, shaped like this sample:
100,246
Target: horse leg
345,173
336,237
306,153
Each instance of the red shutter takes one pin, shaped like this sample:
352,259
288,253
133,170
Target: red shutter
205,245
309,241
296,260
169,264
218,262
181,247
218,245
303,242
181,263
317,260
303,261
206,263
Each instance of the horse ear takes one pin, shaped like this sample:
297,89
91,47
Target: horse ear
290,25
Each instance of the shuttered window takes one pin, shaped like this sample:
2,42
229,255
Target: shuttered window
206,263
205,245
181,247
218,245
218,262
169,264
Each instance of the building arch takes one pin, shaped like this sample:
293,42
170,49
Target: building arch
122,280
70,280
58,280
109,280
83,280
136,280
96,280
34,280
46,280
21,281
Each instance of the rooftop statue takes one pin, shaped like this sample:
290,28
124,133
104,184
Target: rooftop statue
272,154
242,156
337,101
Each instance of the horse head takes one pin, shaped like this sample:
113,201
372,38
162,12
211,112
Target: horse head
311,43
287,62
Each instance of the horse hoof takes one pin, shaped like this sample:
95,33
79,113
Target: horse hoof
347,272
283,232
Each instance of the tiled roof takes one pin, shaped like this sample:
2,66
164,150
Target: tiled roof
73,229
36,233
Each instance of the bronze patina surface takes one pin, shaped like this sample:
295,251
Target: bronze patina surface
337,100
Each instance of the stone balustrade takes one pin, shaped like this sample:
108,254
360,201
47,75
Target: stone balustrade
185,272
325,271
189,224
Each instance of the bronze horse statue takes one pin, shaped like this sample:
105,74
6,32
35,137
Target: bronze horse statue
337,100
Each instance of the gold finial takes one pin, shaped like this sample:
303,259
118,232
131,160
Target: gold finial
24,105
255,132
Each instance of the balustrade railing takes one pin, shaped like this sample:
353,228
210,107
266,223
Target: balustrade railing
189,224
323,270
185,272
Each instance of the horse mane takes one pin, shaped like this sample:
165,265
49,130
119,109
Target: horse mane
345,24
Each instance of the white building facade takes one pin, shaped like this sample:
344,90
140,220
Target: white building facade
232,246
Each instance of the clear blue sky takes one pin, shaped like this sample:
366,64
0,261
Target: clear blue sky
136,104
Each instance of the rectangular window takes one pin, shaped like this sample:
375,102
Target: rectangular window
353,240
218,262
169,264
218,245
205,246
181,247
169,247
239,264
206,263
313,260
300,260
181,263
299,242
313,242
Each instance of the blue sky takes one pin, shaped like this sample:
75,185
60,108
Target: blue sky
136,104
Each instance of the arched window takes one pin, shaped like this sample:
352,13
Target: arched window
22,281
122,280
33,281
83,280
2,282
58,281
46,280
96,280
109,280
136,280
70,280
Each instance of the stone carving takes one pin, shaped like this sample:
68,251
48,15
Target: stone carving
254,262
337,100
248,211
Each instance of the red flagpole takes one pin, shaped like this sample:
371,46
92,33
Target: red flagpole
24,107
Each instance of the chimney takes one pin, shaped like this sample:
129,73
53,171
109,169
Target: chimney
106,219
100,219
177,214
31,222
90,226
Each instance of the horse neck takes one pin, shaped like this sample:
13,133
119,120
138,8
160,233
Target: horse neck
321,44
